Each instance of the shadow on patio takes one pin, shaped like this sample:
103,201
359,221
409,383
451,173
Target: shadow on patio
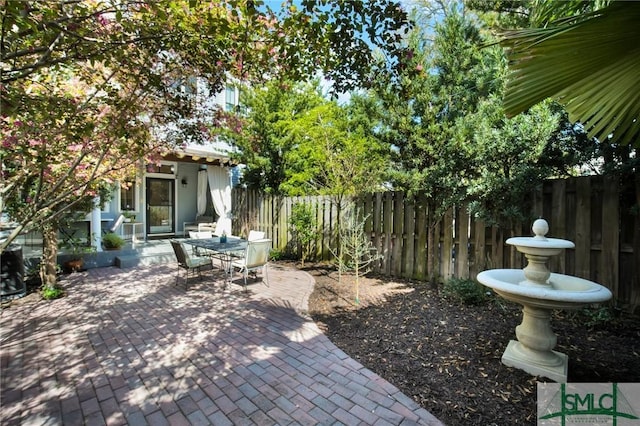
128,346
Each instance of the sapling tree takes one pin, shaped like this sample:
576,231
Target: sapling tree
356,252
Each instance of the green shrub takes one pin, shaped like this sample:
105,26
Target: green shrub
597,316
303,227
50,293
466,291
276,254
112,241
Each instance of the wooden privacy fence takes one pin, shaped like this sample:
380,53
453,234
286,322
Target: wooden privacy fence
596,213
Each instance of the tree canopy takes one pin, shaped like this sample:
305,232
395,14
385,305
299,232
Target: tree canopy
295,141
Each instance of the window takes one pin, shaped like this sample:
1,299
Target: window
128,196
230,99
189,86
165,169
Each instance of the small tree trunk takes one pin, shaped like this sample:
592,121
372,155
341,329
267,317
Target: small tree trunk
357,274
339,245
48,264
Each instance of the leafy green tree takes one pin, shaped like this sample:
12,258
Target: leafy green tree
442,81
452,140
246,38
263,136
304,228
336,157
295,141
56,156
511,159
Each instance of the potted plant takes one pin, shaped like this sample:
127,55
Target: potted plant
129,216
112,241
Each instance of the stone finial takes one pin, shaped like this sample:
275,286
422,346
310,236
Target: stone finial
540,228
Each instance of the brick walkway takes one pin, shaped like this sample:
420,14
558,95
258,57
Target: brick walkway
130,347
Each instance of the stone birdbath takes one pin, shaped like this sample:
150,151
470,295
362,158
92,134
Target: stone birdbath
540,291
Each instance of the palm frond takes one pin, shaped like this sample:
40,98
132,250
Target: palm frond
590,64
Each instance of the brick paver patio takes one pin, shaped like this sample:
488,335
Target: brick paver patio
130,347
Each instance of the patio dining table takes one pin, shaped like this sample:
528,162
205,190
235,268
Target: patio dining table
224,251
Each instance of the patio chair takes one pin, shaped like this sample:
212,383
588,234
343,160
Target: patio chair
207,227
188,262
202,223
205,234
255,235
201,234
256,256
196,235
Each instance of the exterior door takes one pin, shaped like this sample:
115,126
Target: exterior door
160,206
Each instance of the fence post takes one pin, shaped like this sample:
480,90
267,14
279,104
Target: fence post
462,252
408,261
447,245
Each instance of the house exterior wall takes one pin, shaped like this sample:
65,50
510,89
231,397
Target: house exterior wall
186,196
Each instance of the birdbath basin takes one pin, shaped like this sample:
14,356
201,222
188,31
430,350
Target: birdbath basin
540,291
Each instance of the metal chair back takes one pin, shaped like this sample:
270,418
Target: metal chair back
255,235
179,251
257,253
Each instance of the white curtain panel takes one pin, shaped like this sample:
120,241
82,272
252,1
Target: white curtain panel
202,192
220,187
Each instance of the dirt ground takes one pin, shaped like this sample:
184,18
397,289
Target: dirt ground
446,354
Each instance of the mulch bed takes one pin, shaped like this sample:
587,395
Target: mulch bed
446,354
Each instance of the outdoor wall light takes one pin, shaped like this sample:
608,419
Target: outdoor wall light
184,182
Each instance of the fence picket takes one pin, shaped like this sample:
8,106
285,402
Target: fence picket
462,251
583,229
557,222
447,245
610,235
420,259
397,235
409,240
